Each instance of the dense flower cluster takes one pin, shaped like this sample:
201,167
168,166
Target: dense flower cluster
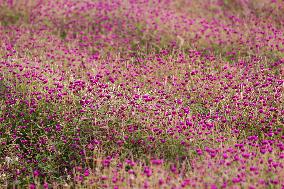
142,93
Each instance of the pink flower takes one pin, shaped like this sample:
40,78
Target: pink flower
36,173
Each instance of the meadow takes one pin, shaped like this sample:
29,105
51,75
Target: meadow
142,94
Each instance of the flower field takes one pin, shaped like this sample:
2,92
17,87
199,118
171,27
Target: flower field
142,94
